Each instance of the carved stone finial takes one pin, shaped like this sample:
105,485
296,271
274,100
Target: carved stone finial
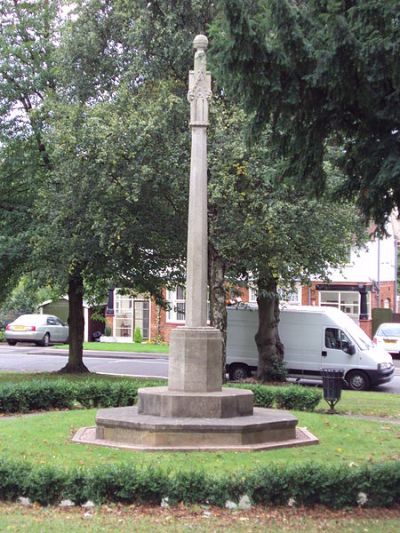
199,93
200,42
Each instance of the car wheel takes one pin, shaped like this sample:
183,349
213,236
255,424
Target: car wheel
46,340
358,380
238,372
12,343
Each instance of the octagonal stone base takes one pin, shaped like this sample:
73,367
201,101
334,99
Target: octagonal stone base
123,427
160,401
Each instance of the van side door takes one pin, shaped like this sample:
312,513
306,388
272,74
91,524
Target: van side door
338,348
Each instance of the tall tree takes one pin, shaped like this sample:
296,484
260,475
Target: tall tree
321,71
269,232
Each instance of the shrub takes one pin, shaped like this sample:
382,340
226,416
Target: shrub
2,338
137,336
297,397
306,485
292,397
61,394
264,396
45,485
38,395
277,371
107,331
12,477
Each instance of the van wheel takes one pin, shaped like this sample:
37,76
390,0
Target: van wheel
358,380
238,372
11,343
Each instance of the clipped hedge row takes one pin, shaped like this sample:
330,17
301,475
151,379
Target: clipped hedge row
44,395
62,394
293,397
337,487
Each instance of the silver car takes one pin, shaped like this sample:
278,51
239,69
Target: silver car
40,329
388,336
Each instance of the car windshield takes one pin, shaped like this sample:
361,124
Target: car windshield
29,320
390,330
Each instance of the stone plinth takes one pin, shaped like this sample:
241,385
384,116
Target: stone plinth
159,401
195,360
123,425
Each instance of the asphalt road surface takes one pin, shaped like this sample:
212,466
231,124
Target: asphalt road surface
30,358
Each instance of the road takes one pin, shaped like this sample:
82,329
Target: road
29,358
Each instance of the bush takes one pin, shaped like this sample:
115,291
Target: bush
291,397
2,337
39,395
297,397
264,396
107,331
12,477
137,336
336,487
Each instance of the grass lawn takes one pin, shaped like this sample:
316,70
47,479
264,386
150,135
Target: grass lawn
127,519
121,347
46,439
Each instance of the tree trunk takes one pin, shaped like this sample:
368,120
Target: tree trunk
270,348
218,316
76,326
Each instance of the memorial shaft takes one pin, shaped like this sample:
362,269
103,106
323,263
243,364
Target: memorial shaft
197,262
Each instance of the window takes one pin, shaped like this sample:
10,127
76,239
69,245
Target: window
123,315
176,302
346,301
337,340
252,295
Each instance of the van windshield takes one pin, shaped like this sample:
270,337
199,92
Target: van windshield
361,338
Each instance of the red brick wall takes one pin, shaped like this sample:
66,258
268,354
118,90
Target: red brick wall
387,291
366,326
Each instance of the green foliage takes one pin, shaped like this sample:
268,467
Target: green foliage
12,476
292,397
45,485
2,338
325,74
263,396
62,394
137,335
306,485
276,371
106,394
297,398
43,394
107,331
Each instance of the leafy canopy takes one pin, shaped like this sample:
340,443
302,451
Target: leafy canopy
324,72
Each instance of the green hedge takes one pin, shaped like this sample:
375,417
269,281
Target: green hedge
294,397
44,395
62,394
337,487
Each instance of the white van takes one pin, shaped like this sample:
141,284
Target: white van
314,338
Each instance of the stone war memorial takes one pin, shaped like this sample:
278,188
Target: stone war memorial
194,412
